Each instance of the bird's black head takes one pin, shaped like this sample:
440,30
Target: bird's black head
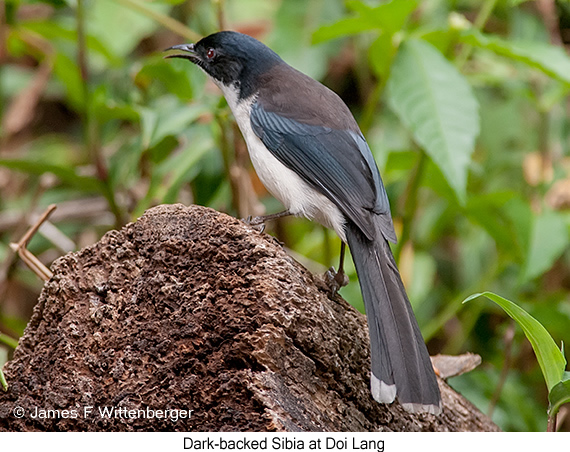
230,59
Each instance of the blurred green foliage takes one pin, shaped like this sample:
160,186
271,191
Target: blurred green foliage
464,103
550,357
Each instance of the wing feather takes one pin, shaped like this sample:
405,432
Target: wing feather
337,163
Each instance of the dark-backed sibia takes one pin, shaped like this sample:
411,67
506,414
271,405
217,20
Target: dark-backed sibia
309,152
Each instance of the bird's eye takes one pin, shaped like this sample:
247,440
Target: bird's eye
211,53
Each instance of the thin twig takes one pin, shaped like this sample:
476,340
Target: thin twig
32,262
34,227
27,257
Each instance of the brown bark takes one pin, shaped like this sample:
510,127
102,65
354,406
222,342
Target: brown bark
191,309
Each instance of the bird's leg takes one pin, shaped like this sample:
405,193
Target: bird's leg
337,279
259,222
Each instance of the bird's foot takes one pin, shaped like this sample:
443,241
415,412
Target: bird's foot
336,280
257,223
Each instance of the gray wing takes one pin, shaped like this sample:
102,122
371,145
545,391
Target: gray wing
337,163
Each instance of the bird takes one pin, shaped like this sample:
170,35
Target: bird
308,150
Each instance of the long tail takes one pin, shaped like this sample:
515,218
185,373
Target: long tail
400,361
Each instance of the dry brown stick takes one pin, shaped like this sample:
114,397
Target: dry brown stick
29,259
32,262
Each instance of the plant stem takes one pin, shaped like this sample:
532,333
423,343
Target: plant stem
219,4
164,20
226,150
410,205
484,13
453,306
3,382
544,147
480,21
551,425
370,107
327,247
90,123
89,127
3,36
509,339
456,342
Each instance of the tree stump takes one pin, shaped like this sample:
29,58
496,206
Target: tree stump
192,310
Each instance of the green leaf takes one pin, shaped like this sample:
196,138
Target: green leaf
3,360
559,395
550,59
381,54
392,16
550,358
493,212
388,18
183,167
437,105
7,340
106,107
549,239
167,117
118,28
344,27
65,174
3,381
178,168
60,34
293,43
174,77
69,76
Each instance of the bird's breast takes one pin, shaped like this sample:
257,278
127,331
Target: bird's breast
287,186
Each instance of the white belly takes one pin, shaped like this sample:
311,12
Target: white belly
294,193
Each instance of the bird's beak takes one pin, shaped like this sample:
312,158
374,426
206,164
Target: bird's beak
188,48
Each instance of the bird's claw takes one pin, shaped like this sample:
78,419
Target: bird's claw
336,280
257,223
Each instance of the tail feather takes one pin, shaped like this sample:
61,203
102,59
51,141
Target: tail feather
400,361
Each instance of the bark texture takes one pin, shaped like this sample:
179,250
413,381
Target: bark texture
190,309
